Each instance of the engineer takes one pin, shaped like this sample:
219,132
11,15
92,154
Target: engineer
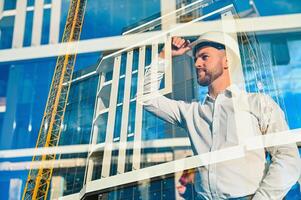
212,125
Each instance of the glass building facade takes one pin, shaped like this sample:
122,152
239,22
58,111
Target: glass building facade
25,80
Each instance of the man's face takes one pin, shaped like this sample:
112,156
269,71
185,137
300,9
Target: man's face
209,63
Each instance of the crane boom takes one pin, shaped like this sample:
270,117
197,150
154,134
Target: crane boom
38,181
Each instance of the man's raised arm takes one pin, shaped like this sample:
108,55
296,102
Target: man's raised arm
166,109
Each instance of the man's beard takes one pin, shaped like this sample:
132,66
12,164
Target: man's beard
206,81
208,77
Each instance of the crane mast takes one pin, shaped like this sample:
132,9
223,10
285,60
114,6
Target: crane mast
38,181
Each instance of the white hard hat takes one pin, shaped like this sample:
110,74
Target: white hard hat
215,39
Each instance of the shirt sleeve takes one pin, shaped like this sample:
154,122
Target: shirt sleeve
284,169
167,109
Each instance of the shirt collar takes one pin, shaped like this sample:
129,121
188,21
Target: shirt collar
208,98
231,91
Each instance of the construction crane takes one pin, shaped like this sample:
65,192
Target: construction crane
38,181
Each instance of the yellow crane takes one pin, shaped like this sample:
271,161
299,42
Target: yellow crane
38,181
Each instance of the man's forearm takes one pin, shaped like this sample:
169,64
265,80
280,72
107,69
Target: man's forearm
152,79
282,174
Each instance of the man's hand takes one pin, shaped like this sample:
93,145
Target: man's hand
186,179
181,189
179,47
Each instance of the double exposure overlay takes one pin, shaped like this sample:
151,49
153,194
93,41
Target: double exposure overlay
151,99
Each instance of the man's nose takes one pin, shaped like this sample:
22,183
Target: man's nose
198,63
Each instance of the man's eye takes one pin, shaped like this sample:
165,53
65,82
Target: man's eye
204,57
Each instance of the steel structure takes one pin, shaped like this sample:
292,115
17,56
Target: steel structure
38,181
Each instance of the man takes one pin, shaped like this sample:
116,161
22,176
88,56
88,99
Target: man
212,125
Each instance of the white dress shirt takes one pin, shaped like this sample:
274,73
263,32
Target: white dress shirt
231,118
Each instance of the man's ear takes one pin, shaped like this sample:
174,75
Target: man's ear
225,62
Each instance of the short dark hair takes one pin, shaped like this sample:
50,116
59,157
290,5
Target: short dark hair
211,44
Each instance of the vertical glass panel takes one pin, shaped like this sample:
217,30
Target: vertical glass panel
79,112
134,85
148,55
64,14
123,63
135,59
120,96
6,30
4,74
97,166
30,2
46,26
104,97
113,170
47,1
131,123
118,118
10,4
102,126
28,29
108,76
128,160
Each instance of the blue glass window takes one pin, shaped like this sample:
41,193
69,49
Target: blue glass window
120,91
131,122
102,126
28,29
135,59
46,26
123,63
10,4
25,102
115,16
148,55
134,85
79,112
6,32
30,2
47,1
117,126
85,60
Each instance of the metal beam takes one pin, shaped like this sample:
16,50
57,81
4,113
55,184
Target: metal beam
19,25
37,23
94,132
139,112
28,8
125,113
106,163
1,8
62,163
168,8
55,21
268,24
